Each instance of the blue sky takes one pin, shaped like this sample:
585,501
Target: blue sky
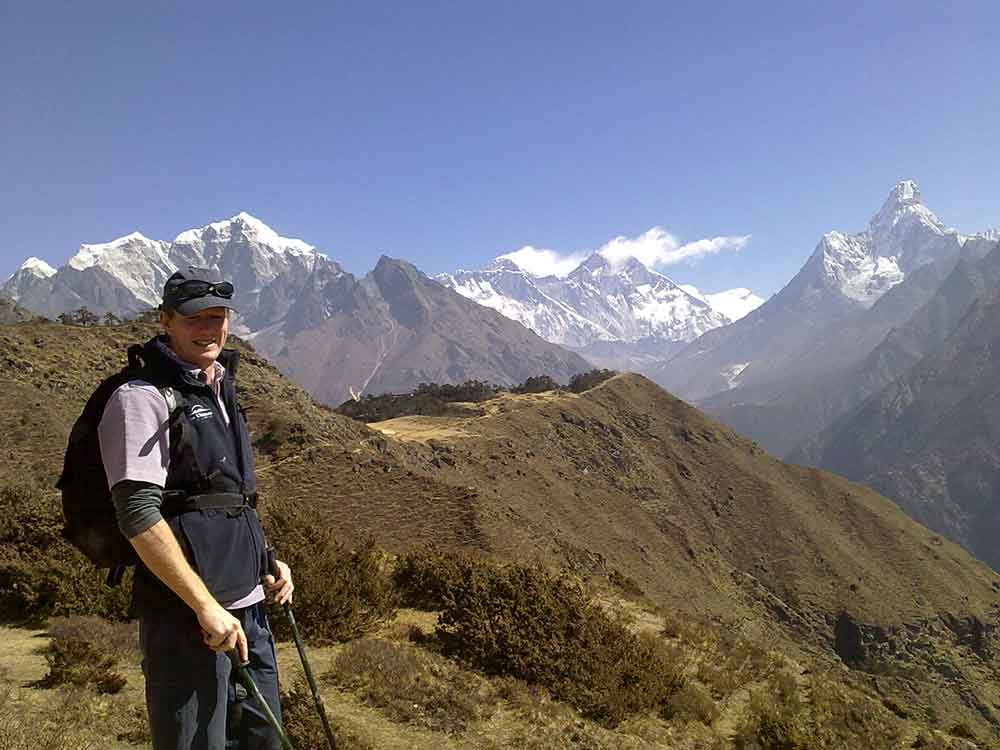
448,133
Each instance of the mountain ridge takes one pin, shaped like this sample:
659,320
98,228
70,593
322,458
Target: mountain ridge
844,276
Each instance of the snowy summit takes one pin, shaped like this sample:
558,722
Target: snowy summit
36,266
250,227
598,301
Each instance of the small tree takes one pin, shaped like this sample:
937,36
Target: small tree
110,319
584,381
85,317
537,384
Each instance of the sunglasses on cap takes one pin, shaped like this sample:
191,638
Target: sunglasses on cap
194,288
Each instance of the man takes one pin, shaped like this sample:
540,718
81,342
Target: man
178,459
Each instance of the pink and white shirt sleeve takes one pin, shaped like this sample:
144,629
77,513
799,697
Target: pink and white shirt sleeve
135,435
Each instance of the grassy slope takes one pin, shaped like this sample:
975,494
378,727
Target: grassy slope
622,478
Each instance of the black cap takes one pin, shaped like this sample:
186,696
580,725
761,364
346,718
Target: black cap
196,289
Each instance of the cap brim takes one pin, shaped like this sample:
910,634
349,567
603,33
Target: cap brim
196,305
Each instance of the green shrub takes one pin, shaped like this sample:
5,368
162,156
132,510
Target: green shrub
428,399
340,593
42,575
587,380
529,624
537,384
962,730
425,576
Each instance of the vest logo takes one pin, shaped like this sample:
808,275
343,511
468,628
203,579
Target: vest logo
198,413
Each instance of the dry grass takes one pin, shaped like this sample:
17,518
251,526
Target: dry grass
692,703
412,685
73,718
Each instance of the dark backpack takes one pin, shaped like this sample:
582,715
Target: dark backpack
88,511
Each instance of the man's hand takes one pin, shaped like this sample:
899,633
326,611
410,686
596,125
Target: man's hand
281,588
223,632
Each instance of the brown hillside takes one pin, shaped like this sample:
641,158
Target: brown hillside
621,482
623,476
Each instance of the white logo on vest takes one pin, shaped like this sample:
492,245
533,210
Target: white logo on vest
199,412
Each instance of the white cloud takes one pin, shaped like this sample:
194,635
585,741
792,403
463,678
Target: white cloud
542,262
655,247
733,303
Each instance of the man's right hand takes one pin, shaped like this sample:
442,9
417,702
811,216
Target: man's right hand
223,632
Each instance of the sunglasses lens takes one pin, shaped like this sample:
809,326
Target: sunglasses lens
225,289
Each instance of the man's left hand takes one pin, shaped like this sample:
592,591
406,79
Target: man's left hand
281,588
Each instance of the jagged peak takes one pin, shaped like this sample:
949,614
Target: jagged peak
89,254
386,264
503,263
904,193
903,202
38,267
249,225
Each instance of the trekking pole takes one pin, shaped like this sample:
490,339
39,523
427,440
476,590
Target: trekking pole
244,677
287,609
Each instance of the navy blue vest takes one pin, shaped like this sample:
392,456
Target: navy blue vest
210,462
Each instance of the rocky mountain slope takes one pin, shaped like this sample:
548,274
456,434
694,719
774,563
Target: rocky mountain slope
832,375
929,438
622,480
396,328
845,276
820,404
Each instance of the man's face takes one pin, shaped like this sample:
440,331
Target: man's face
198,338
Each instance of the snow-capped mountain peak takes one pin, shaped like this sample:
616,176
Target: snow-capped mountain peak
504,264
904,227
248,226
92,254
37,266
599,301
903,235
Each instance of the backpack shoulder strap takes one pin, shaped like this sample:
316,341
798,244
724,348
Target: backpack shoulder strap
170,396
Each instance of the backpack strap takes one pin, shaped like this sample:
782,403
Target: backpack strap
170,396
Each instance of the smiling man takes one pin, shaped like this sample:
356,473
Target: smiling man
177,455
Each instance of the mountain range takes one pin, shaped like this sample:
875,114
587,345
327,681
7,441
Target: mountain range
844,368
928,436
618,314
877,362
338,335
801,332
